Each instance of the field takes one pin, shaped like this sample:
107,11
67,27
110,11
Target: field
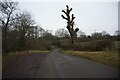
109,58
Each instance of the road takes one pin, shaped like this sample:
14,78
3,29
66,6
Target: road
55,65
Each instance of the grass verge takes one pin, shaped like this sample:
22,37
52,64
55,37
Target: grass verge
109,58
27,52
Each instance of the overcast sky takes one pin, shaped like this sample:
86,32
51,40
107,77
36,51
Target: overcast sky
90,16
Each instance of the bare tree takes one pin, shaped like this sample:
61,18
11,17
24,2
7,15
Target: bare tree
81,34
41,32
70,24
7,9
61,33
24,24
117,32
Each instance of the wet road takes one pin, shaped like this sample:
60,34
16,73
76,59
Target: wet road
57,65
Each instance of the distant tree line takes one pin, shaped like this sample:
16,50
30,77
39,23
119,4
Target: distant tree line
21,33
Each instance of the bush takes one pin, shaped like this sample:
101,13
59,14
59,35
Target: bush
97,45
116,46
66,46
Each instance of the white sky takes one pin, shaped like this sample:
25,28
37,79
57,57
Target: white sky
90,16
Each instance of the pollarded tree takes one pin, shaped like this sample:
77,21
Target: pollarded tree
70,24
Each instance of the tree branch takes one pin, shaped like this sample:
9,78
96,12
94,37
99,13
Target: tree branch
72,24
3,23
76,30
64,17
70,9
72,18
67,7
65,12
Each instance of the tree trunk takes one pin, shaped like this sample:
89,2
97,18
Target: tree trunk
73,42
5,48
5,34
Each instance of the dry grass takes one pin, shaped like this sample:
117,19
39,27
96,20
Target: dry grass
26,52
109,58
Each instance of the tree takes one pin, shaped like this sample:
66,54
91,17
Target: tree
41,32
24,24
117,35
61,33
117,32
70,24
47,35
96,35
104,33
81,34
7,9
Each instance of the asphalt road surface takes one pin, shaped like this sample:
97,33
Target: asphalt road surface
55,65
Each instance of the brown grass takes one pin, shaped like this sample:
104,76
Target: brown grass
109,58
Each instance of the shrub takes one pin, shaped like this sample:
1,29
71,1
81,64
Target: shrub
66,46
97,45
